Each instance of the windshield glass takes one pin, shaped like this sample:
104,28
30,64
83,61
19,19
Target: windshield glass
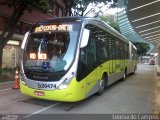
51,49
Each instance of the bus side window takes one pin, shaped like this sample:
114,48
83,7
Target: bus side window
91,52
81,71
87,60
88,54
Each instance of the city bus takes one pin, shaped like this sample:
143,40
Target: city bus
71,58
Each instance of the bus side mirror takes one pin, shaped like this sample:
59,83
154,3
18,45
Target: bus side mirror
85,38
24,40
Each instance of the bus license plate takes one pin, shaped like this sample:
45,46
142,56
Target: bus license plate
39,93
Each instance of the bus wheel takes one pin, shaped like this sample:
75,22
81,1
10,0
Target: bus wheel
101,85
124,75
134,69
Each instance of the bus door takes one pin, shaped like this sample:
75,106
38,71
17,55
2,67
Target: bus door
87,69
117,56
113,56
110,50
91,63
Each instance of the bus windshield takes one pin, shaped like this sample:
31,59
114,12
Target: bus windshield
51,50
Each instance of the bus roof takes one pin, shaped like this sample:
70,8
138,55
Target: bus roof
82,19
64,19
76,19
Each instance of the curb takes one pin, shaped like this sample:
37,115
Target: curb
3,83
156,101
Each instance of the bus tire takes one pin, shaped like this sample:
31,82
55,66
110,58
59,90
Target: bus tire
102,85
134,69
124,75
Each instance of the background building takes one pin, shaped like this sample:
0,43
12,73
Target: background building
12,49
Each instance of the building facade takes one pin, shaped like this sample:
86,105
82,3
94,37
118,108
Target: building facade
11,52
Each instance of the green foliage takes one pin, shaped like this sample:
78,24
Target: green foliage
42,5
109,20
79,6
7,74
142,48
9,70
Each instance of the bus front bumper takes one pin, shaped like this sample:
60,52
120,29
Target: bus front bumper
65,95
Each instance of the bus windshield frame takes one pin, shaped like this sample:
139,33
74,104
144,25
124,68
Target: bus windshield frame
50,50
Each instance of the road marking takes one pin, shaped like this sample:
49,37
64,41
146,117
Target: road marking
41,110
5,89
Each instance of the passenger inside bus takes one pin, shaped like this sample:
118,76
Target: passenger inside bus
59,50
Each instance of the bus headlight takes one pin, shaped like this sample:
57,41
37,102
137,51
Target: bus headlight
66,82
23,82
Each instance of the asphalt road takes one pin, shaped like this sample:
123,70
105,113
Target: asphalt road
132,96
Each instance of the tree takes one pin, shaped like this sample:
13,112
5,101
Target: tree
78,7
111,22
142,48
19,7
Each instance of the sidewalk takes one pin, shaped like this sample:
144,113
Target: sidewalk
6,86
7,80
6,83
156,92
6,77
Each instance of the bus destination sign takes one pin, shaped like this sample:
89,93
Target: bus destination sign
45,28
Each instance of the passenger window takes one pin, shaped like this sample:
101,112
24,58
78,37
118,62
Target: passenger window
87,59
88,54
